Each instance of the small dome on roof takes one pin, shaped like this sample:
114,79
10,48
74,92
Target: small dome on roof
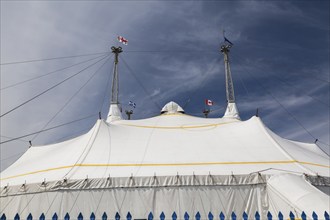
171,108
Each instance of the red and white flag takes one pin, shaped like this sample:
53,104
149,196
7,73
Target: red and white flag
208,102
122,39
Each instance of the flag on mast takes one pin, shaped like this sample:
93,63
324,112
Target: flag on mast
208,102
122,40
130,103
226,40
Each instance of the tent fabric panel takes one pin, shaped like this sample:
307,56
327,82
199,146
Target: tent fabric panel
49,157
121,149
312,147
299,193
140,201
100,171
301,151
132,182
249,193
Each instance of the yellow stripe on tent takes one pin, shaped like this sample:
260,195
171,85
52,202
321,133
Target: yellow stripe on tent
167,164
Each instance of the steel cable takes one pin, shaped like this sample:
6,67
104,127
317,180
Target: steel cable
286,110
49,73
141,84
47,90
53,58
57,126
70,99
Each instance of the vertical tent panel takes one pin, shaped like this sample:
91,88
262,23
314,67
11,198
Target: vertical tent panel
55,217
67,216
3,217
92,217
222,216
162,216
210,216
150,216
174,216
104,216
16,217
80,216
29,217
198,216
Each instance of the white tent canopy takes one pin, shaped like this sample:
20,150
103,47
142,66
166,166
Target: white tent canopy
166,145
170,163
226,156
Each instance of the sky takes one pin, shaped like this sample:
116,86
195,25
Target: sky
279,64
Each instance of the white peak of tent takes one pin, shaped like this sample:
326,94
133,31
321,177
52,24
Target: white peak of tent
172,108
231,111
114,113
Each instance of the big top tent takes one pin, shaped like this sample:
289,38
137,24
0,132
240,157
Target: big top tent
170,166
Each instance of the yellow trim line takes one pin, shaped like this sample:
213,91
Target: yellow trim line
167,164
179,127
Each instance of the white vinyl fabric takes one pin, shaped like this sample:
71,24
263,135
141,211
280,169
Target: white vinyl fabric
231,111
141,195
298,194
171,107
166,145
114,113
168,148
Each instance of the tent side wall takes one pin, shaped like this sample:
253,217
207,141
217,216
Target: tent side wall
142,195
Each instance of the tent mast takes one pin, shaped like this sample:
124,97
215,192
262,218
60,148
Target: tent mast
229,82
115,81
115,109
231,110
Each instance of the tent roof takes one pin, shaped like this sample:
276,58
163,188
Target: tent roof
172,107
168,144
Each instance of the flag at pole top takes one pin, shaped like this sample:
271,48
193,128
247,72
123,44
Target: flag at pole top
226,40
208,102
122,40
130,103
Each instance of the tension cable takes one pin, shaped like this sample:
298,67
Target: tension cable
53,58
47,90
57,126
40,76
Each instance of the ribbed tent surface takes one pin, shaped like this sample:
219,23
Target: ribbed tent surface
173,162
